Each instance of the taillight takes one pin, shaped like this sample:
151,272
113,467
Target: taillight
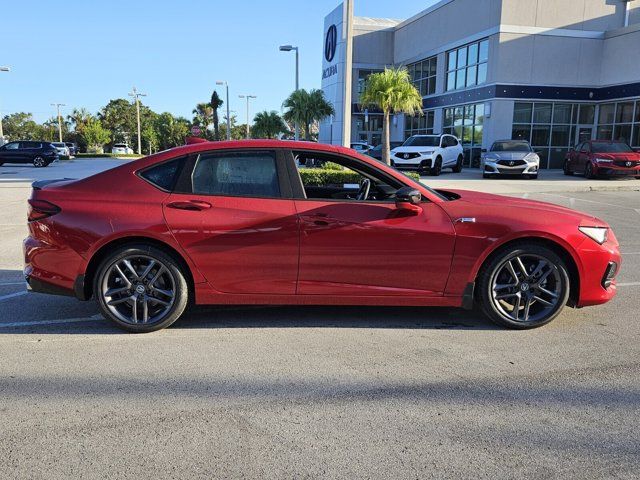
39,209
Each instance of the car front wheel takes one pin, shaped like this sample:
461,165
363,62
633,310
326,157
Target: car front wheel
588,171
141,288
525,286
565,168
437,167
39,162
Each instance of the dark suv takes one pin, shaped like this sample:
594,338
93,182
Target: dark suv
40,154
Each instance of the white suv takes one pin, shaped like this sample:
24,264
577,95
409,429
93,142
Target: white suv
429,153
121,148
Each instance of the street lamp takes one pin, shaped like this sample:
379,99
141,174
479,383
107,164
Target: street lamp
2,69
247,97
228,119
288,48
136,95
58,105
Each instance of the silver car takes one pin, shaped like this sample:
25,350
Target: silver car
510,157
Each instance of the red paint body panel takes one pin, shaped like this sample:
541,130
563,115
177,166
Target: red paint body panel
621,164
296,251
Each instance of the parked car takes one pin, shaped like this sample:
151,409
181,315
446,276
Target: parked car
361,147
224,223
510,157
122,149
376,152
61,148
429,153
73,148
40,154
606,158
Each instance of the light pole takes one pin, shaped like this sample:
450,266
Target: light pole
288,48
58,105
2,69
247,97
228,119
136,95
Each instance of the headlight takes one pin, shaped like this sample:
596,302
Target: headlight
604,160
427,152
532,157
597,234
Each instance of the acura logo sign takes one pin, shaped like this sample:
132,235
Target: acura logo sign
406,156
511,164
628,164
330,43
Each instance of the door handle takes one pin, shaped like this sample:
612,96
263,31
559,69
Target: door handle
193,205
319,219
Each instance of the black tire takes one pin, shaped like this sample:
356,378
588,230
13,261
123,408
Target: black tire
533,177
588,171
565,168
458,167
486,175
173,269
436,170
39,162
494,267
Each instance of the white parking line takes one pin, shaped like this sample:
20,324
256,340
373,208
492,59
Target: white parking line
51,322
6,284
12,295
574,199
628,284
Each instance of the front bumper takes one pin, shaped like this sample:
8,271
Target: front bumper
610,170
490,167
597,280
419,164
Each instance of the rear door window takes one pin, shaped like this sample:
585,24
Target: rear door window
240,174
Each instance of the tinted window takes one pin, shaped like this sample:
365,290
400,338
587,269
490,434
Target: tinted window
30,144
11,146
612,148
164,175
511,147
251,174
418,141
586,148
451,141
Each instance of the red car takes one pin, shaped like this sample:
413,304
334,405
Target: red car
235,223
597,158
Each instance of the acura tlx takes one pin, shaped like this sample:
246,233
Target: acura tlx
240,223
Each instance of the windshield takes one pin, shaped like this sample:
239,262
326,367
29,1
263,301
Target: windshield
510,147
611,148
422,141
57,144
120,145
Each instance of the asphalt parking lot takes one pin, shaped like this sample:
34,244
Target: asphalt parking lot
318,392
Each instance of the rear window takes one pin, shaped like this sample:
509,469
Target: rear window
119,145
244,174
165,175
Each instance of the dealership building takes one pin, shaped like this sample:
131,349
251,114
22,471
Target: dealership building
553,72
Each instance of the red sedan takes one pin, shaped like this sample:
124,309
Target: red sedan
597,158
235,223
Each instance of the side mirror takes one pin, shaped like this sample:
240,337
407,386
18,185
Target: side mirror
484,150
408,198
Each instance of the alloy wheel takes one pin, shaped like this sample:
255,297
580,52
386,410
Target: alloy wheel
39,162
526,288
138,289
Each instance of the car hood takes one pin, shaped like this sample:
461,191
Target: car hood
507,155
412,149
490,208
633,156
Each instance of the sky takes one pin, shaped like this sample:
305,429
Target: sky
85,52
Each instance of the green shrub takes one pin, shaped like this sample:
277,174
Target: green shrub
322,176
332,166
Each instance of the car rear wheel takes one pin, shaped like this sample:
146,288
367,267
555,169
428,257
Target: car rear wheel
39,162
458,167
436,170
565,168
525,286
141,288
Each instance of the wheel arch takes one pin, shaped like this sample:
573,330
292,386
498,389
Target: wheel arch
563,251
104,250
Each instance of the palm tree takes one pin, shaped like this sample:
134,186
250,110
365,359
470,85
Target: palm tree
268,125
306,108
202,115
392,92
216,102
79,118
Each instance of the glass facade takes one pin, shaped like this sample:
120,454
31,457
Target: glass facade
362,78
467,66
620,121
551,128
368,127
467,123
419,125
423,75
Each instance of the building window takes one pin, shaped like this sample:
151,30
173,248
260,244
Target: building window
419,125
551,128
423,75
467,66
466,122
363,75
620,121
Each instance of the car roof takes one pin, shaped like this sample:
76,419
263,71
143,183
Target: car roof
605,141
511,140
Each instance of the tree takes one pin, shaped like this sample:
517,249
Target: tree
21,126
202,115
268,125
392,92
216,102
306,108
95,135
78,118
119,117
171,131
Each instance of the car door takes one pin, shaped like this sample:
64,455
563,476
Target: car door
10,152
449,152
233,214
573,157
370,248
583,157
